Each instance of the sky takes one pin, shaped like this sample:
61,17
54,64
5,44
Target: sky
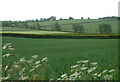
36,9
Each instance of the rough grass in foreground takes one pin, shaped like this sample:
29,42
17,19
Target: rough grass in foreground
63,53
34,69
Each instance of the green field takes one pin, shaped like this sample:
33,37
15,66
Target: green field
14,29
62,53
90,25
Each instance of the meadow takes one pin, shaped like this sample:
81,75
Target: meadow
13,29
62,53
90,25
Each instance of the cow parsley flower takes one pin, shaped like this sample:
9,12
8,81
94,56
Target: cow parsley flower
64,75
35,56
111,70
44,59
22,60
37,62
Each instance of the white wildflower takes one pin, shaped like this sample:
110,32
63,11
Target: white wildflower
35,56
74,66
15,63
37,62
36,66
12,49
64,75
95,74
23,78
94,63
29,61
4,47
79,61
59,79
112,70
83,65
74,74
8,44
83,68
44,59
23,70
22,60
16,66
6,68
5,78
6,55
104,71
32,70
89,70
93,68
107,77
86,61
99,74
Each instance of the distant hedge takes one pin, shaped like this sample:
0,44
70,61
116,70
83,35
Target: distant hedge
57,36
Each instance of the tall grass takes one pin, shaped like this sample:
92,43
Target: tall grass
63,53
35,69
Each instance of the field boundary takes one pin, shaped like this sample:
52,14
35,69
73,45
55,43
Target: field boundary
64,36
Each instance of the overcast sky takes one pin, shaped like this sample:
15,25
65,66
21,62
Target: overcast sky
36,9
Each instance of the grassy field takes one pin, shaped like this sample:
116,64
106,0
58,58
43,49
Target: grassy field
35,32
90,25
13,29
62,53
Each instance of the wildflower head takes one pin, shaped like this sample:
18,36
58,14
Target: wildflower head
35,56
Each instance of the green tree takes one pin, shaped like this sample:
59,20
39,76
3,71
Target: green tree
24,24
38,26
56,27
105,28
71,18
78,28
53,18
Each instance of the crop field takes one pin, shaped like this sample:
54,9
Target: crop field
62,53
90,25
35,32
13,29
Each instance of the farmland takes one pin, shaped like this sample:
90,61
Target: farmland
62,53
13,29
90,25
